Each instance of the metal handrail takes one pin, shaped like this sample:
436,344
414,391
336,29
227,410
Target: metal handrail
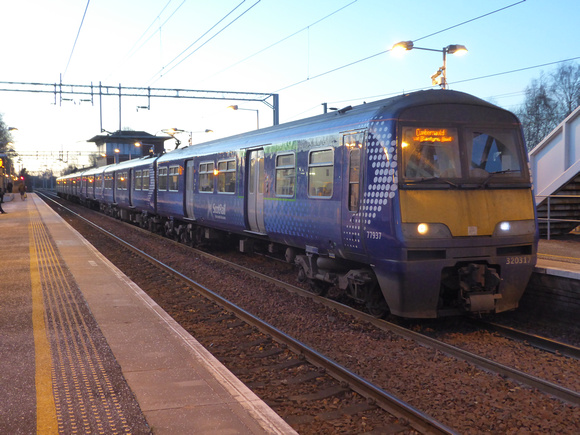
549,220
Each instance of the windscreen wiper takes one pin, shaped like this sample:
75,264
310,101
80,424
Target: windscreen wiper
492,174
426,180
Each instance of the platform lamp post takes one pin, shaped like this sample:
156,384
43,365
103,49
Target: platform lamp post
235,107
456,49
117,151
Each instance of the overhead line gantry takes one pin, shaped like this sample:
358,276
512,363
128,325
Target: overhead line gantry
61,91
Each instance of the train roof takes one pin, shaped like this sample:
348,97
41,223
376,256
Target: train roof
345,119
143,161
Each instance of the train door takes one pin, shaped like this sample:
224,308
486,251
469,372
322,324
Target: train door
129,186
189,186
255,190
352,226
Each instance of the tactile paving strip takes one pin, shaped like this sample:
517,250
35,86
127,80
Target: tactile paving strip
90,393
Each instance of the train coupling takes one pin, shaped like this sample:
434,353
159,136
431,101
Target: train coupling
479,287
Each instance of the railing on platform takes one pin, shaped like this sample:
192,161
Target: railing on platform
548,219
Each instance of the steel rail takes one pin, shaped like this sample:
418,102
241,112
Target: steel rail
479,361
543,385
390,403
532,339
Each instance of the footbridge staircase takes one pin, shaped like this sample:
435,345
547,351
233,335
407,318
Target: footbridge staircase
555,165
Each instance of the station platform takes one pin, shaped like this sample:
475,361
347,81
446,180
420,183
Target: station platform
560,256
84,350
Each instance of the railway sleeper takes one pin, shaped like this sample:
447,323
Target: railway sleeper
332,391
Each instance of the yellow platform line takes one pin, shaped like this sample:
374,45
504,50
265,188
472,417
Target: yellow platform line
558,257
72,321
46,421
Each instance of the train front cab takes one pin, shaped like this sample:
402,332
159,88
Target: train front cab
467,215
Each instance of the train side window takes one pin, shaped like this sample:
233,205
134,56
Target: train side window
121,181
173,180
226,176
145,178
320,173
285,174
138,183
162,179
206,175
354,179
108,181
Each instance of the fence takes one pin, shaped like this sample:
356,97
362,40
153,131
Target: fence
548,219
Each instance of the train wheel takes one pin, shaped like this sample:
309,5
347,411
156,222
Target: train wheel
376,303
319,288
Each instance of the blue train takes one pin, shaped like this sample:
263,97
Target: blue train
420,204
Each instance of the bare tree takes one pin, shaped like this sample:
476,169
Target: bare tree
548,101
5,136
71,168
539,113
565,88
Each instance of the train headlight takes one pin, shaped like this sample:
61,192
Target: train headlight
515,228
426,230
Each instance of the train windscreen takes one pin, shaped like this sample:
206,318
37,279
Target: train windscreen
481,155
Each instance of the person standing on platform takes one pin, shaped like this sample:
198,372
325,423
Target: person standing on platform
22,190
1,200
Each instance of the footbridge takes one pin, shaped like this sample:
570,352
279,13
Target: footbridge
555,165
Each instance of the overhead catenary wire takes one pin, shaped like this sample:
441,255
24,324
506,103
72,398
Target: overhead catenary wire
163,71
134,49
77,38
386,51
282,40
372,97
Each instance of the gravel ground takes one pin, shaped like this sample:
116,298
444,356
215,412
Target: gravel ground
456,393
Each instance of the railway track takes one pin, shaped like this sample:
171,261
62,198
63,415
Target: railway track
550,388
357,395
535,340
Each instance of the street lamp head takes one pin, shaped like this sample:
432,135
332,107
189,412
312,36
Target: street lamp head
172,131
234,107
456,49
208,130
402,46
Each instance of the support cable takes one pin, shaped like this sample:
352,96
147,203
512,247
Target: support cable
77,38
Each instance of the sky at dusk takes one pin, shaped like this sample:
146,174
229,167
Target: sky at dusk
308,52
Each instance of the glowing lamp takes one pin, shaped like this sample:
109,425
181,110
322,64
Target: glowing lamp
456,49
422,229
399,47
